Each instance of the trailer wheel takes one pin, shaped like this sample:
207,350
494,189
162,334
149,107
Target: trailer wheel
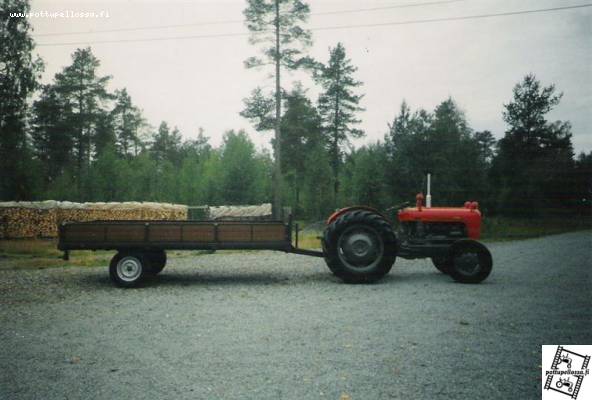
157,261
471,262
127,269
360,247
441,263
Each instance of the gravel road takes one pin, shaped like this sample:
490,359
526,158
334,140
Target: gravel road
265,325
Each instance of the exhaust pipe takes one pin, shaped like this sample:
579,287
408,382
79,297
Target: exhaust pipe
429,194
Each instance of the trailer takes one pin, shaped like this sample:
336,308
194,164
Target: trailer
359,244
141,245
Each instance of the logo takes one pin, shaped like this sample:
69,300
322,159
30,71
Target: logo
564,370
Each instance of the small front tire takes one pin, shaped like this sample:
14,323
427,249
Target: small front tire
442,263
471,262
128,269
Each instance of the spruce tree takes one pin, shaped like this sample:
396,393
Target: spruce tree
338,106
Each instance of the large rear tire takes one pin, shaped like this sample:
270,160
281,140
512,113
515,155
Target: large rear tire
471,262
128,269
360,247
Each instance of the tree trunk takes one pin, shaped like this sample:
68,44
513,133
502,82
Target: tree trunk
80,143
295,211
277,170
336,145
335,172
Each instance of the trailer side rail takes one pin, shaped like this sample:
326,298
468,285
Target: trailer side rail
182,235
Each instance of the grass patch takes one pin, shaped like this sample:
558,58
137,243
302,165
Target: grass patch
503,228
40,254
29,248
309,240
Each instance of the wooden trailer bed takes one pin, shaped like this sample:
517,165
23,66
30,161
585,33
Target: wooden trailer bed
175,235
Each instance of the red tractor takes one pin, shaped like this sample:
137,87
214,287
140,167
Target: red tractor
360,244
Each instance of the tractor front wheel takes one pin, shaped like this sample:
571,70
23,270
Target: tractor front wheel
360,247
442,263
471,262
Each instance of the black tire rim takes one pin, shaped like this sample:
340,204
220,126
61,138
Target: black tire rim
360,247
468,261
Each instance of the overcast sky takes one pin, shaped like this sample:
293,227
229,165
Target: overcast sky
201,82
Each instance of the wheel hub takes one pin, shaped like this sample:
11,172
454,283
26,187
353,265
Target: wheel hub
129,268
360,247
467,263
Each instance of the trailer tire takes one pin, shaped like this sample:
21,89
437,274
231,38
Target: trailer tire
128,269
471,262
157,261
442,263
360,247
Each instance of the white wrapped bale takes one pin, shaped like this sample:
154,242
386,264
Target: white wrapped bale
261,211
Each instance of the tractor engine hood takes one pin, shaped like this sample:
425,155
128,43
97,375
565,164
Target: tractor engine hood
469,215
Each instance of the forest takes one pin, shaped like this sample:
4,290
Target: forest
76,139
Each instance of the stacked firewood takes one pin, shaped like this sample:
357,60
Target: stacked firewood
26,222
41,219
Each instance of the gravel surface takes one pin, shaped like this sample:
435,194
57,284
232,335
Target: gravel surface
265,325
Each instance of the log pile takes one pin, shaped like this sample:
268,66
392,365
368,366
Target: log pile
41,219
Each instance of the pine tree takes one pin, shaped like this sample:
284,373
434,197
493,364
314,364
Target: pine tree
338,106
52,140
239,170
85,98
18,79
364,176
127,120
443,144
535,156
105,137
198,148
405,149
275,25
166,145
301,132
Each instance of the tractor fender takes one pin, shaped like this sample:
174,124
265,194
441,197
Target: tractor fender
342,211
462,242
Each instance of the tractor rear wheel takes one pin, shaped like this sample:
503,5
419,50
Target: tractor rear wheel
360,247
471,262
